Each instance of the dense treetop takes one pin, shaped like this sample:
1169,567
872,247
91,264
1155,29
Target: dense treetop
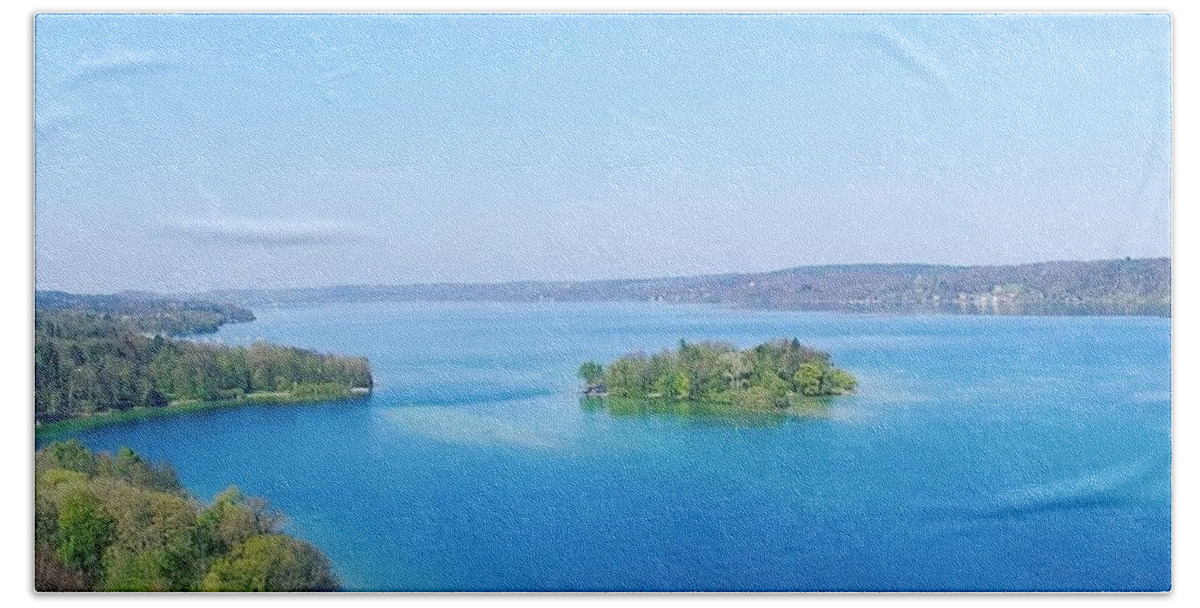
118,523
88,362
774,375
148,313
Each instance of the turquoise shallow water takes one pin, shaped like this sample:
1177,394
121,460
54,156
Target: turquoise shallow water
981,453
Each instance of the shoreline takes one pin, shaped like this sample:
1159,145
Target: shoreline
51,430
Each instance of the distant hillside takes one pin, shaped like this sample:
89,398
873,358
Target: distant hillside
1116,287
148,312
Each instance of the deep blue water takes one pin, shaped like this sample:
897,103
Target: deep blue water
981,453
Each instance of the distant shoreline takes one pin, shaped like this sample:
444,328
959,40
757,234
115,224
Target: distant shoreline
51,430
1118,287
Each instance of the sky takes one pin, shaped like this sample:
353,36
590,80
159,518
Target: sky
194,152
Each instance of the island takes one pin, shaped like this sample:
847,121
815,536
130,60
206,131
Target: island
103,359
775,376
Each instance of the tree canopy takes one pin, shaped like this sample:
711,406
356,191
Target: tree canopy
119,523
87,363
776,374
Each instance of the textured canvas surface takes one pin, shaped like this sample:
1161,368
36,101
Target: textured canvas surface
533,302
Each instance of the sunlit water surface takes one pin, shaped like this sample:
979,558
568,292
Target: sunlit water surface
981,453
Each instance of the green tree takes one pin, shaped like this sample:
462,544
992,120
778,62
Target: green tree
776,373
84,532
809,379
272,562
69,455
682,386
592,373
143,571
90,363
842,380
232,518
127,525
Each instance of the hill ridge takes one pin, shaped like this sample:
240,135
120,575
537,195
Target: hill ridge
1062,287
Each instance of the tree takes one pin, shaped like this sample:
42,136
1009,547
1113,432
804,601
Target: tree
137,572
50,574
592,373
84,532
682,386
809,378
775,373
89,363
155,398
842,381
120,523
232,518
70,455
272,562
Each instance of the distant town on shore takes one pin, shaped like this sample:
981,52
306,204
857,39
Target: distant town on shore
1107,287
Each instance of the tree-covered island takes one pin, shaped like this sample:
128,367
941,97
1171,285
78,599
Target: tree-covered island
773,376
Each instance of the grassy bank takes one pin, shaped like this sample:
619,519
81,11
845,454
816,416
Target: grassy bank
302,394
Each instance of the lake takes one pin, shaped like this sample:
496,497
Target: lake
980,453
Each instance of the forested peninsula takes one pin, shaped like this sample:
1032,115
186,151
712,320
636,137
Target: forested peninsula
110,358
774,376
119,523
148,313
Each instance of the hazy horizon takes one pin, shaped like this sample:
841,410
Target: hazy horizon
201,292
188,153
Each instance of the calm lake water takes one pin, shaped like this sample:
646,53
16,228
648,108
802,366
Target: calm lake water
981,453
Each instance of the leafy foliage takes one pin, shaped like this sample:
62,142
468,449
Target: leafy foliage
777,374
118,523
147,312
271,562
87,363
591,372
85,531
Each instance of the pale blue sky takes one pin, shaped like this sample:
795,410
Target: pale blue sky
196,152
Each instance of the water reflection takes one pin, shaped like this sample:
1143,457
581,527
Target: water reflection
704,412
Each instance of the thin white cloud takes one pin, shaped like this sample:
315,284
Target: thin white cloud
124,62
264,232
